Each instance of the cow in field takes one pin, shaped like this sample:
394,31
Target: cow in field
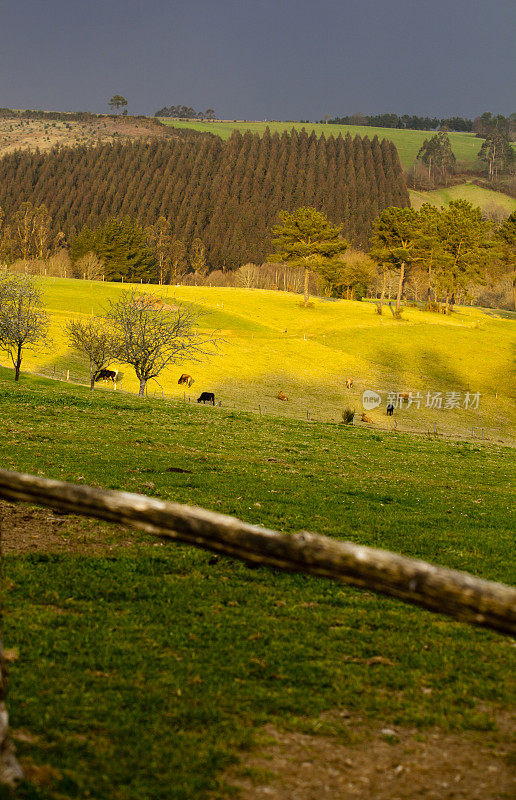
349,383
365,418
107,375
206,397
185,380
281,396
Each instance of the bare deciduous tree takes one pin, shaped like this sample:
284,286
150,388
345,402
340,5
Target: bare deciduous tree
152,339
89,267
23,320
159,237
198,258
92,338
247,276
178,263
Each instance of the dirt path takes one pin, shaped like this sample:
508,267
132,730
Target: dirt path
380,762
24,529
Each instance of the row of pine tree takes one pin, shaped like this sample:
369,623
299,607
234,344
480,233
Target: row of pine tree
228,194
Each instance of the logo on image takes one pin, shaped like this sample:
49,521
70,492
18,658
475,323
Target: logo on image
371,400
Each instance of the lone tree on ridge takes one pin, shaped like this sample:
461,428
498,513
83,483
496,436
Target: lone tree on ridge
306,238
153,338
117,101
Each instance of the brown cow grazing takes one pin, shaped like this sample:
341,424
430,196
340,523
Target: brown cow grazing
404,395
281,396
107,375
349,383
185,380
365,418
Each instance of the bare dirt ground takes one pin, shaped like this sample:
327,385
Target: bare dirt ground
28,134
24,529
365,761
380,763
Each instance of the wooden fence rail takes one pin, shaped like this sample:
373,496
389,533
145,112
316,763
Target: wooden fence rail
457,594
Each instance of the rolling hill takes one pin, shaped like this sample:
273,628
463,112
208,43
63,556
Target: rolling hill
270,343
478,196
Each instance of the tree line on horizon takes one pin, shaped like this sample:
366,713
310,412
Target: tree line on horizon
185,112
484,124
223,196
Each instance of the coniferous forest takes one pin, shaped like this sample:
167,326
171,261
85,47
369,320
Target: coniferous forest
227,194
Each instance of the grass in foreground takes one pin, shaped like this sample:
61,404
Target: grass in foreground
145,673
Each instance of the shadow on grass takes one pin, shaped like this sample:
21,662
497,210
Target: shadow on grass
499,313
434,367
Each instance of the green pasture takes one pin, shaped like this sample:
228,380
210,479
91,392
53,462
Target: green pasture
269,342
145,669
408,143
484,198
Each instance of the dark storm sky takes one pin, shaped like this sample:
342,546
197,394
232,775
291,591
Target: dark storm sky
261,59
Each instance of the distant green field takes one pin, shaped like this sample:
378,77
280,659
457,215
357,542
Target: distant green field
484,198
464,145
270,342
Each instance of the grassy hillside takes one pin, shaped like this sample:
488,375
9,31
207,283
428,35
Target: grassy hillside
144,670
484,198
270,342
464,145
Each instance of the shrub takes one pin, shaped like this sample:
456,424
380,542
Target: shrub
348,415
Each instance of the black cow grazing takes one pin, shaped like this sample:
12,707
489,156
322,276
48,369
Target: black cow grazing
107,375
185,380
207,397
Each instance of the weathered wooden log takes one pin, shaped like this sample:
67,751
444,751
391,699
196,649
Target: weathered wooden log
456,594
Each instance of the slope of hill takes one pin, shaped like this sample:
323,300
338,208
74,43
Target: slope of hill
464,145
484,198
18,133
270,343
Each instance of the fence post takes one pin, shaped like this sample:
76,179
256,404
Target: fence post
10,770
67,374
435,427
